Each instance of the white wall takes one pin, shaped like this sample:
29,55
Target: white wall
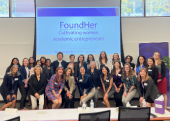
17,37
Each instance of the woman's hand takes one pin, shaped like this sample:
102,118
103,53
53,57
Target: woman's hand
37,95
159,80
98,88
81,98
57,95
67,93
70,96
85,95
141,99
8,97
125,94
14,96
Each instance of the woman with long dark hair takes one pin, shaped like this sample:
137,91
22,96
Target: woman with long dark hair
31,62
43,61
103,61
162,81
117,82
38,62
80,62
107,84
69,88
90,58
141,63
9,87
54,88
152,70
14,61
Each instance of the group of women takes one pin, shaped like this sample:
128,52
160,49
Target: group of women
56,82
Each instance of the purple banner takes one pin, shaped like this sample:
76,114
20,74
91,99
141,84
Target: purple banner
147,50
50,12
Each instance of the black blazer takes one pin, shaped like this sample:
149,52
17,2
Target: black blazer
150,89
23,71
7,84
37,86
46,73
55,64
95,77
77,72
87,83
153,73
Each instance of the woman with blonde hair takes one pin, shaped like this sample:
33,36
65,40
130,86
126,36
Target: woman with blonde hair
37,87
162,81
128,79
146,88
116,58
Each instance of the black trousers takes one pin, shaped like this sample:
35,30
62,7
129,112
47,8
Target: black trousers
24,92
70,101
118,97
63,93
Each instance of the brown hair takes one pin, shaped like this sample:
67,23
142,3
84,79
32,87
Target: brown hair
57,76
71,74
117,58
113,72
147,76
159,59
130,71
23,62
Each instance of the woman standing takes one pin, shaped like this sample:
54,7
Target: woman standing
141,63
107,84
72,64
38,62
48,72
162,81
117,82
87,89
9,87
116,58
54,88
31,62
24,86
146,88
43,61
128,80
129,60
95,76
37,87
90,58
14,61
152,70
103,61
69,88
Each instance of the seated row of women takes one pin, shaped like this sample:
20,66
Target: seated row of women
120,83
